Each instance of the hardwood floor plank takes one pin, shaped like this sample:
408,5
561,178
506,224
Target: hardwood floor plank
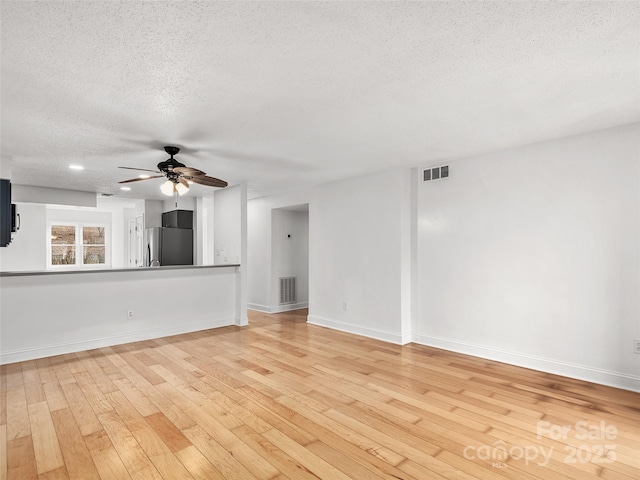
223,460
45,441
57,474
81,408
197,465
32,383
277,457
3,451
3,394
168,432
341,461
105,457
55,396
21,459
17,412
133,457
306,457
76,455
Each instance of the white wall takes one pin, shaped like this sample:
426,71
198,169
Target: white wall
531,256
259,253
58,196
28,249
230,239
184,203
227,225
357,251
45,315
204,233
289,255
153,213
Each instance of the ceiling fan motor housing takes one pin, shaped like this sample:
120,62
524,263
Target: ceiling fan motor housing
169,164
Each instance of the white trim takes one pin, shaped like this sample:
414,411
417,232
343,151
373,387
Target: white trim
357,329
556,367
258,307
108,341
278,309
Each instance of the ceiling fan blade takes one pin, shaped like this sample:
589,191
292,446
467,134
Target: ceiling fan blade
140,169
183,182
140,179
188,171
209,181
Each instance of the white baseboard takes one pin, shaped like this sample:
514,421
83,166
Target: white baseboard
109,341
396,338
278,309
580,372
258,307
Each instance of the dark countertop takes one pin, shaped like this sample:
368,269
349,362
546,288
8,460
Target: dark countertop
112,270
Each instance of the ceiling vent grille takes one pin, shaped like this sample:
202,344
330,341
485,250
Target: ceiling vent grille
435,173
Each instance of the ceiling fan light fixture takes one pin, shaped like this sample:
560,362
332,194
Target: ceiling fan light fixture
167,188
181,188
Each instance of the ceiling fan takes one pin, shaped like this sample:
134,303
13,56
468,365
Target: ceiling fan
178,175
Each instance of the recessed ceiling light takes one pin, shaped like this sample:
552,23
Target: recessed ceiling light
76,167
142,175
126,189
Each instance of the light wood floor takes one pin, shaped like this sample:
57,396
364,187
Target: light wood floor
283,399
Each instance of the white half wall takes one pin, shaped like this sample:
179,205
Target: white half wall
531,256
44,315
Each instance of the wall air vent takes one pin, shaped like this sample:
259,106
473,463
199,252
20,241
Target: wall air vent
287,290
435,173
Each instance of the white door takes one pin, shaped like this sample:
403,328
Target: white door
133,244
139,240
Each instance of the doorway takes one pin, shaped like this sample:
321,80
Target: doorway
289,258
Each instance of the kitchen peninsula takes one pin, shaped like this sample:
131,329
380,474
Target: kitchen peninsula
45,313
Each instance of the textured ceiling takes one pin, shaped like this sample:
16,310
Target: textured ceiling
283,95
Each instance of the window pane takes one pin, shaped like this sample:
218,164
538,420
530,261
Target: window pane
93,255
63,234
93,235
65,255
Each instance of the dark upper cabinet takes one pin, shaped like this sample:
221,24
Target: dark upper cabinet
178,219
5,212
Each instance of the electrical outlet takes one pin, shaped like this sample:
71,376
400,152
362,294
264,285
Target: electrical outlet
129,313
636,346
344,305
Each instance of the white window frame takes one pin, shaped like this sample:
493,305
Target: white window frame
79,245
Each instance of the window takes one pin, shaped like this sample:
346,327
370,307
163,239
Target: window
93,246
78,245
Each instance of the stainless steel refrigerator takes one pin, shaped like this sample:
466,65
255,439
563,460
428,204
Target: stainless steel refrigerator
168,246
